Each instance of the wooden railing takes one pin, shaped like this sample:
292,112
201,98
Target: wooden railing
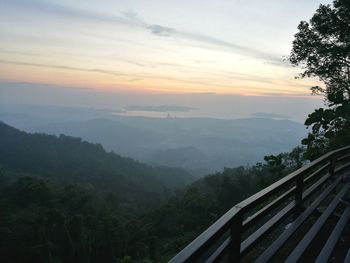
288,202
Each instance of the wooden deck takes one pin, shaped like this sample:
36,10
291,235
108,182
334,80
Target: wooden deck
300,218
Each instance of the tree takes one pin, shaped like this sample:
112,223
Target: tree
322,49
283,163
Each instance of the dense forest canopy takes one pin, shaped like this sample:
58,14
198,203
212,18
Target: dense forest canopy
66,200
72,160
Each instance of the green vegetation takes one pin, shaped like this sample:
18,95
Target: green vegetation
72,160
66,200
43,221
322,48
202,145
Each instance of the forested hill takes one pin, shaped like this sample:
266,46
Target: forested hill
69,159
66,200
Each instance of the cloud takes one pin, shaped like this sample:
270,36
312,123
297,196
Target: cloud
130,14
267,57
131,18
134,18
135,77
205,82
164,31
161,30
115,73
67,11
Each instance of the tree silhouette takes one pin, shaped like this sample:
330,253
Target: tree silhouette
322,48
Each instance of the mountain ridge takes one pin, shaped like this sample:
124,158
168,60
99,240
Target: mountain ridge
70,159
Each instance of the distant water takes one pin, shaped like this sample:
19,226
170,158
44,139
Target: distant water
224,106
199,114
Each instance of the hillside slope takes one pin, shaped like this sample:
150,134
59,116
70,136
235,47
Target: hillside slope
210,144
70,159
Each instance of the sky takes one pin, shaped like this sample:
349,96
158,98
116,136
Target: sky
235,47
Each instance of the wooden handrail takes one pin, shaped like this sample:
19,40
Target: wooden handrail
233,221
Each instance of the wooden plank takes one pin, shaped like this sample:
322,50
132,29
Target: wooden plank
250,221
299,194
203,242
311,234
236,232
344,166
347,258
334,237
284,237
220,252
344,157
341,151
316,186
267,192
316,173
198,246
249,242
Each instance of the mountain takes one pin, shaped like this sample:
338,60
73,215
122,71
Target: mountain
193,144
200,145
66,200
69,159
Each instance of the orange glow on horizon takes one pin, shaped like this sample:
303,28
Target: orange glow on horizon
127,83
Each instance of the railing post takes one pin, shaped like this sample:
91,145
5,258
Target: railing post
236,238
299,194
333,161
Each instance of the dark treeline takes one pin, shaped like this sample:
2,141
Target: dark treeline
70,159
66,200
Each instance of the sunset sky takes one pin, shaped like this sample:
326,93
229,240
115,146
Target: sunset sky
182,46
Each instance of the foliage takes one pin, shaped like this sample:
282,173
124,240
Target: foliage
48,213
185,216
322,48
136,185
43,221
293,160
